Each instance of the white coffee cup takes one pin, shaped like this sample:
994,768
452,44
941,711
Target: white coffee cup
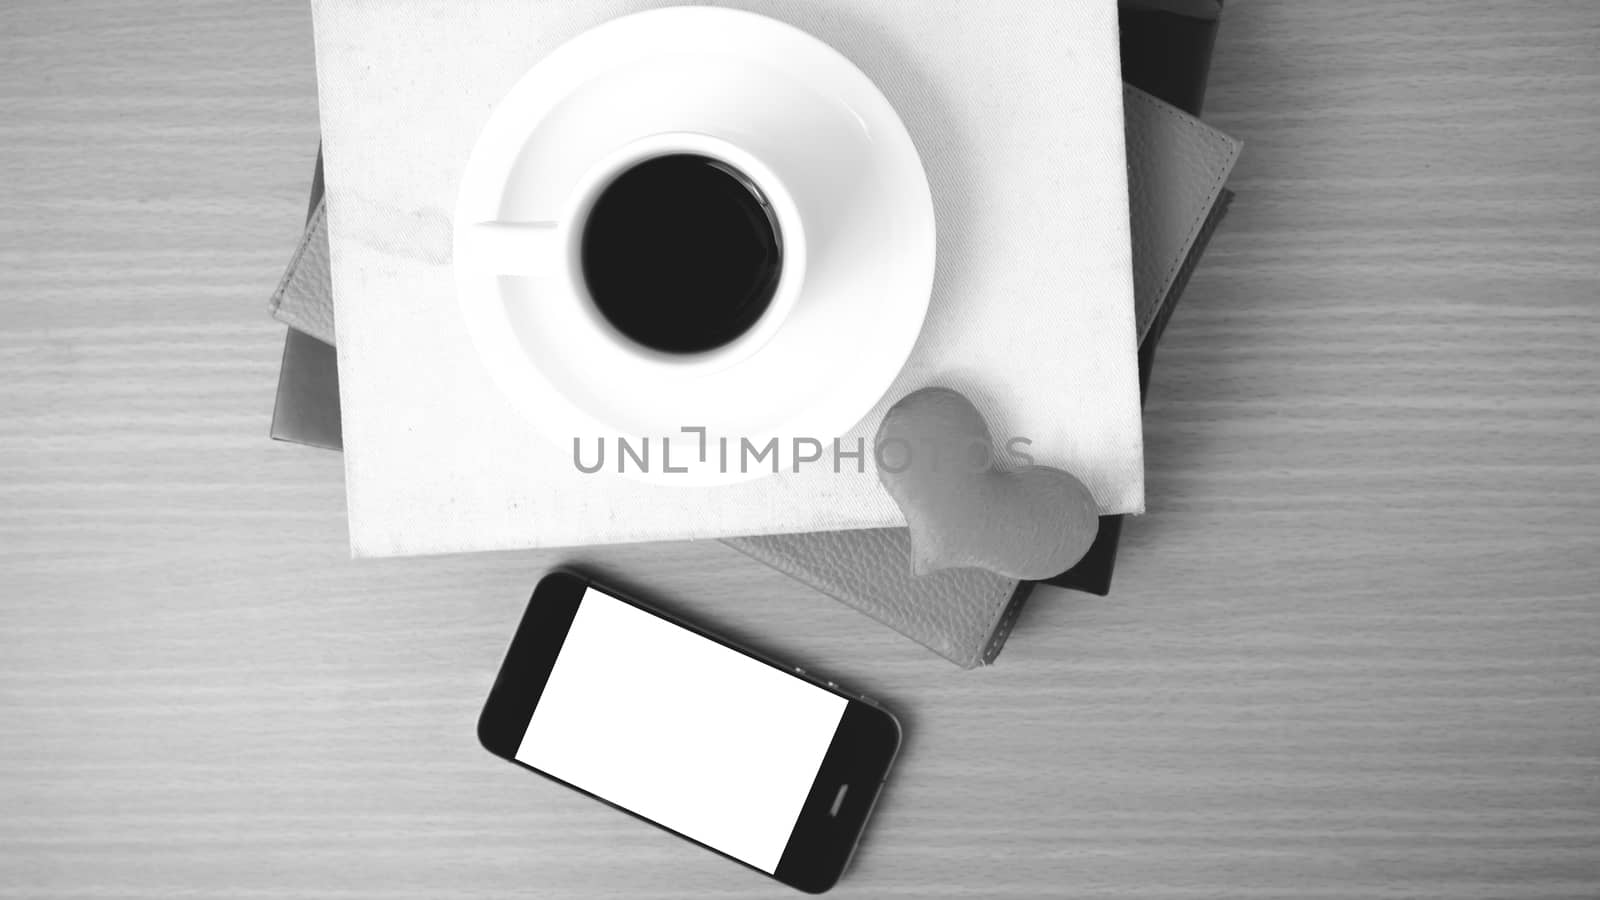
841,182
550,250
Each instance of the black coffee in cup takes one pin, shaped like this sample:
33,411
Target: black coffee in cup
681,253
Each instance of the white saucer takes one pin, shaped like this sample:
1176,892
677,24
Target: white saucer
718,72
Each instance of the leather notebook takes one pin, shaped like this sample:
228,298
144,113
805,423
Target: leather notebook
1177,166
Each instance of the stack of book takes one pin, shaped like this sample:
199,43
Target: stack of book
1177,170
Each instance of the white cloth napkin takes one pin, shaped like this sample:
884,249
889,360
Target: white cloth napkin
1016,109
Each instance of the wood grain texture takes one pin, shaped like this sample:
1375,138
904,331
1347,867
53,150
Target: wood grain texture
1353,651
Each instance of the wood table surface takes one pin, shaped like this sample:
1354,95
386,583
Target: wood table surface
1353,650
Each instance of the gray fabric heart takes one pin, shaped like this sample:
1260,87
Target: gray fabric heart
936,458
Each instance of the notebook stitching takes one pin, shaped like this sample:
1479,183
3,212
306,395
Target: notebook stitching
1217,144
1003,594
1003,630
294,261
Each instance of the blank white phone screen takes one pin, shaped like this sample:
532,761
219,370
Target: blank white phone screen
681,730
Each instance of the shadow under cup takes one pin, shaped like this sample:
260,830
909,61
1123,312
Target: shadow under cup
681,253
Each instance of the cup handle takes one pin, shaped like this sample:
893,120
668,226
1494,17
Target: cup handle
510,248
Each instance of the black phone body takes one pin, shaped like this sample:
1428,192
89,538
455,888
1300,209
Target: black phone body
759,762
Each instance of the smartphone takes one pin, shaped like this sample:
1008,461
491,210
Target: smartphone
757,761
